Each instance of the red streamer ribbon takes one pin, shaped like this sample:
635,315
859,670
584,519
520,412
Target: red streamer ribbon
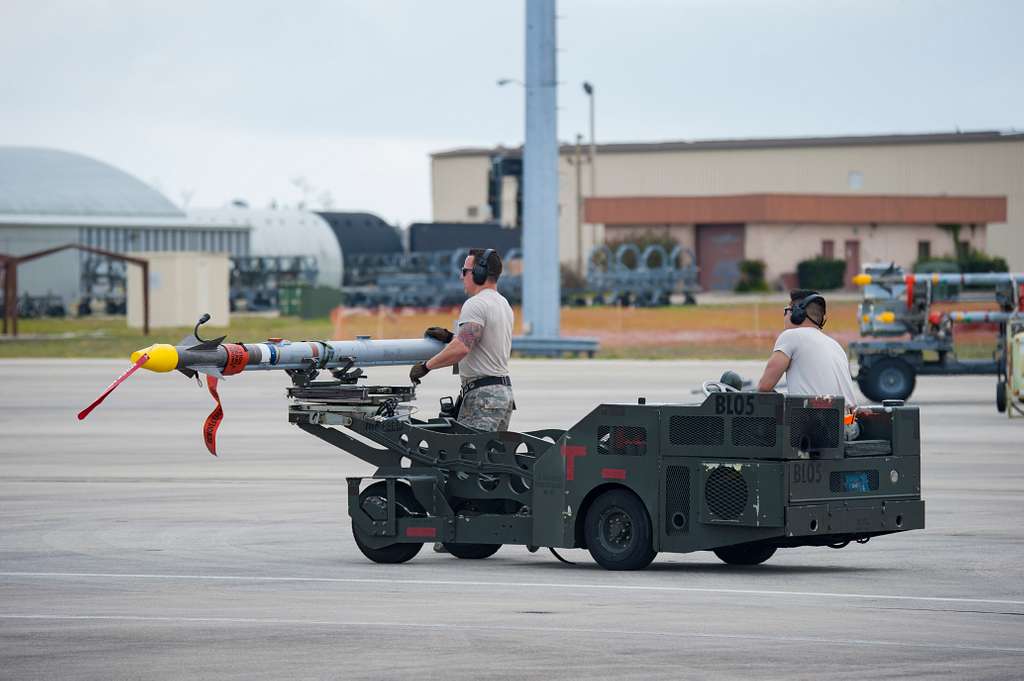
110,388
212,422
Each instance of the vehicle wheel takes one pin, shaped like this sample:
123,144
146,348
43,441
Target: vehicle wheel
472,551
1001,396
372,499
618,531
745,555
890,378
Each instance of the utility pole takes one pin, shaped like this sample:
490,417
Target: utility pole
541,285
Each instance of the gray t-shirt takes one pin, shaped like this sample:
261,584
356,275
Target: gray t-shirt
817,364
489,357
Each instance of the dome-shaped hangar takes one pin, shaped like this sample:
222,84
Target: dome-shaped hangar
284,232
38,181
362,233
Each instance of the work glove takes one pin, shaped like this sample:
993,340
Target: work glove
439,333
418,371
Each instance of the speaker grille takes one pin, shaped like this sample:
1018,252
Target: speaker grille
753,431
725,493
622,440
820,427
677,500
706,431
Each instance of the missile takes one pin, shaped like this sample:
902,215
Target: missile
976,278
219,359
982,317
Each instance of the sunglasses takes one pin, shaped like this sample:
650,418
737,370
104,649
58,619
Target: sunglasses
466,270
786,311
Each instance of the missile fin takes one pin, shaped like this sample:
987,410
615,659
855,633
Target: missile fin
210,371
211,344
190,373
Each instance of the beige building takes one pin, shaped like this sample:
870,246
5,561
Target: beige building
862,199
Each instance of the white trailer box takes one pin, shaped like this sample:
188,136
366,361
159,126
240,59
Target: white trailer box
182,286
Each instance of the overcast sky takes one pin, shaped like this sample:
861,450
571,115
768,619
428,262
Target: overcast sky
216,99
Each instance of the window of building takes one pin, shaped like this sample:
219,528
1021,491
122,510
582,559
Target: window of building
855,179
472,211
828,249
924,250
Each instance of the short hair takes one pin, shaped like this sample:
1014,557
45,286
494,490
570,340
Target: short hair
493,262
816,309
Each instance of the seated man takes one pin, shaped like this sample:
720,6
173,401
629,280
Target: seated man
814,363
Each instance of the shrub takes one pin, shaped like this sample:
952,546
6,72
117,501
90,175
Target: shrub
821,274
751,276
976,261
973,261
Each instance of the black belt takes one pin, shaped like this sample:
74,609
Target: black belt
485,381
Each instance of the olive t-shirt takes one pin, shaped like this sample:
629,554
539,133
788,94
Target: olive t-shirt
817,364
489,357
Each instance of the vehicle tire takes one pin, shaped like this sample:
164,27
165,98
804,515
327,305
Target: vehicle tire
405,506
889,378
618,531
744,554
1001,396
472,551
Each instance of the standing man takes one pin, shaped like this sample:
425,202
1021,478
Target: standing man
481,346
814,363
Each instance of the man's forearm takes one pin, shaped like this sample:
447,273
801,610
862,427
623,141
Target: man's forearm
451,354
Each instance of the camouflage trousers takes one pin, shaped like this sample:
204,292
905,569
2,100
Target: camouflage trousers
487,408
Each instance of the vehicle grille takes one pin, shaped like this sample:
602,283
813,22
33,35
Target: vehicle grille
622,440
753,431
814,428
725,493
705,431
677,499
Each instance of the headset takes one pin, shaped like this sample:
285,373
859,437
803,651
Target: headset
480,267
799,312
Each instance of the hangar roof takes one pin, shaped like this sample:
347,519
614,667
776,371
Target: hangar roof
360,232
38,181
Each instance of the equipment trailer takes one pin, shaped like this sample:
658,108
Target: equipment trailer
741,474
916,340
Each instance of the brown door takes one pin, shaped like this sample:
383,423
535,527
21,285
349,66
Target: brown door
719,251
852,256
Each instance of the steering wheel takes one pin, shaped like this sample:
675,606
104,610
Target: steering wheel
717,387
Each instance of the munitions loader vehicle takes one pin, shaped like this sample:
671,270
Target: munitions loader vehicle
741,473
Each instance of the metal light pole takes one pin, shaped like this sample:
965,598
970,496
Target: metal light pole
579,207
541,285
589,89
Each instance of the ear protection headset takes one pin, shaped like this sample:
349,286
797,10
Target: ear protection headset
799,311
480,267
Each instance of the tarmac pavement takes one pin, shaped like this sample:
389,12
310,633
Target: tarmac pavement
128,552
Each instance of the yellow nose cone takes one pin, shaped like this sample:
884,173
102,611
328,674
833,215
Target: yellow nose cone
886,317
162,357
862,279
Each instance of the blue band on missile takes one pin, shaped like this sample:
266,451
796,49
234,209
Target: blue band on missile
273,353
